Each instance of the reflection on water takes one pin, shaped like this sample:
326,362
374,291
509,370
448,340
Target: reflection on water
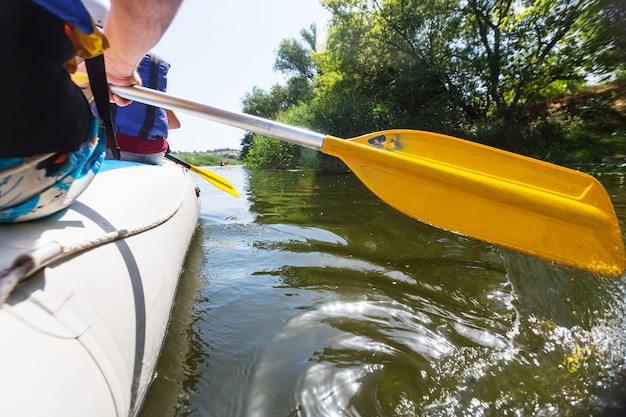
183,351
310,297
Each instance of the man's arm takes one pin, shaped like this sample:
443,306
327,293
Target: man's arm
133,27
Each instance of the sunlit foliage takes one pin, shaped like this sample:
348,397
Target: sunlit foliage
480,69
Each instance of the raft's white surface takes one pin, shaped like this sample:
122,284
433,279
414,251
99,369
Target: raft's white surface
82,336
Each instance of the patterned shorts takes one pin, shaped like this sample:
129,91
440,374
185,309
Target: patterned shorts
38,186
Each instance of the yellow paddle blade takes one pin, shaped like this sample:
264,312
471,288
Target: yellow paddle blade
503,198
220,182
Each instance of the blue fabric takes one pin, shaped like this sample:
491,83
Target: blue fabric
113,164
72,11
6,163
129,119
43,185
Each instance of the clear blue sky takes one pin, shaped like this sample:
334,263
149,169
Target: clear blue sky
220,50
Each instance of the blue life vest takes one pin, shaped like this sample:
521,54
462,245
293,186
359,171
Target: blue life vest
138,119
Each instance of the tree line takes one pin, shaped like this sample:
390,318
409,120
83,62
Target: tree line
491,71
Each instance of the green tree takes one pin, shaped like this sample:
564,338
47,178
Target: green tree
480,69
295,60
604,34
270,104
394,57
518,49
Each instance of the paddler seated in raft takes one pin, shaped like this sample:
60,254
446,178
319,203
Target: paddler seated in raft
49,147
141,130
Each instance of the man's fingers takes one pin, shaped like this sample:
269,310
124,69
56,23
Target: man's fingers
120,101
135,79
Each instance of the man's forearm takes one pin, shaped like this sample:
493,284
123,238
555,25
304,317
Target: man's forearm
133,27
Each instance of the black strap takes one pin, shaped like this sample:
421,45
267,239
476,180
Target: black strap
113,107
100,90
171,157
153,82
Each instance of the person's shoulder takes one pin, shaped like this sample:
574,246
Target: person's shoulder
151,57
145,68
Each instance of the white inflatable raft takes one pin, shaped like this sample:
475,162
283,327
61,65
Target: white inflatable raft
81,333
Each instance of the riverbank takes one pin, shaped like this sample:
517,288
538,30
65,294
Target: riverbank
210,158
585,130
592,125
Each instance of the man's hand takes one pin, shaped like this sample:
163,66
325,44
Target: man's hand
114,78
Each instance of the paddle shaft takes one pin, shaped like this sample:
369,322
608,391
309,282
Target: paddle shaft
178,161
244,121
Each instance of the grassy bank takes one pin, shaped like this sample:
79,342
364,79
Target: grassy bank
207,158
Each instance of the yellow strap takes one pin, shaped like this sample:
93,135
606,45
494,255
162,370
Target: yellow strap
86,45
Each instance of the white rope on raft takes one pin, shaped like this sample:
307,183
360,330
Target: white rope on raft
27,263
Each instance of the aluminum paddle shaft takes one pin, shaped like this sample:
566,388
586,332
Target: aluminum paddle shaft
244,121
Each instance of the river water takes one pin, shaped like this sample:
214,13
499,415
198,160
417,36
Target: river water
308,296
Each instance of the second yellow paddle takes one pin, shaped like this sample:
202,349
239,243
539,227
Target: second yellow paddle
220,182
500,197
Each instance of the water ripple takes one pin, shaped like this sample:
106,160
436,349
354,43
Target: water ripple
322,301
